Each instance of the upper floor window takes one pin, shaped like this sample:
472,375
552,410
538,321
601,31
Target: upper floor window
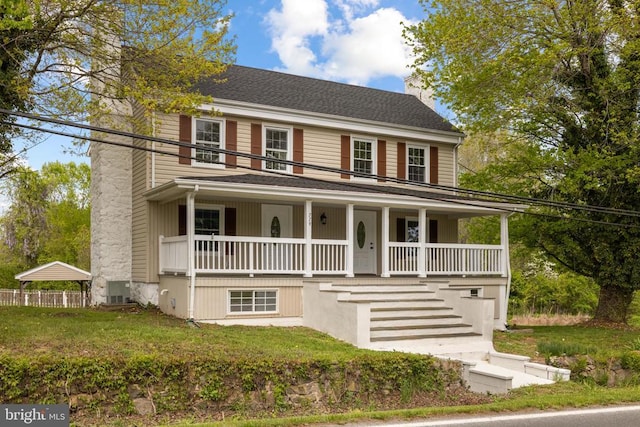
364,156
208,137
277,146
417,164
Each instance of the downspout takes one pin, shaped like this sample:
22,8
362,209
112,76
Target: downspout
455,162
191,229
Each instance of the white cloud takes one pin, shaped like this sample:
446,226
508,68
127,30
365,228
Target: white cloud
356,43
291,29
350,8
373,47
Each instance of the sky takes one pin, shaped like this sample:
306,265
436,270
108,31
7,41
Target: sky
351,41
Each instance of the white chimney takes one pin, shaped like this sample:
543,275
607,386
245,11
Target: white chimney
413,86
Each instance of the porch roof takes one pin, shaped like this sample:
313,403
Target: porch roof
268,187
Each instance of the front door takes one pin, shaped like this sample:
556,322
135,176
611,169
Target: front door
277,223
364,242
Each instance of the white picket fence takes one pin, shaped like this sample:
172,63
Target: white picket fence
43,298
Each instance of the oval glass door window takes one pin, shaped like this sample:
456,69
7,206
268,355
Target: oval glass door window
275,227
361,234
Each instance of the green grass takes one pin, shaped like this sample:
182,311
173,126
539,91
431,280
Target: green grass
554,397
540,341
26,331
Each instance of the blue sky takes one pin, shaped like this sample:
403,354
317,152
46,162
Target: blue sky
351,41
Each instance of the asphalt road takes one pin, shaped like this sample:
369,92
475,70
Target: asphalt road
619,416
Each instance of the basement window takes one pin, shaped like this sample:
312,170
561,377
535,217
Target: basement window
253,301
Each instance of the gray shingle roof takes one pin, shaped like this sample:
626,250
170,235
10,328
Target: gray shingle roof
320,184
277,89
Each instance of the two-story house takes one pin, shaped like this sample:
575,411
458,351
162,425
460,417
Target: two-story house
298,202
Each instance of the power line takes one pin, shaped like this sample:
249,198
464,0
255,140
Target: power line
493,196
432,196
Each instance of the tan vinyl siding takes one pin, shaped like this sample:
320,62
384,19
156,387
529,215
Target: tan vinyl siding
140,216
445,164
321,147
177,289
212,296
447,229
55,273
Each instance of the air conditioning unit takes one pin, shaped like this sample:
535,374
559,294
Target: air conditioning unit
118,292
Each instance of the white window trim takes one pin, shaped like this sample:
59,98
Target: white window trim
374,157
427,160
222,158
220,208
244,313
289,130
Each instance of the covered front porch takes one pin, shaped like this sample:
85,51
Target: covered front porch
216,231
296,226
309,257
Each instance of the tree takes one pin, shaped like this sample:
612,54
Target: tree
56,56
562,79
48,219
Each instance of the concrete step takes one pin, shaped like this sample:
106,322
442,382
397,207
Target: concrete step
423,338
483,377
382,312
407,321
364,296
383,288
403,303
419,330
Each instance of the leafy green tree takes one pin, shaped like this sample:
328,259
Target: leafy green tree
57,55
48,218
561,79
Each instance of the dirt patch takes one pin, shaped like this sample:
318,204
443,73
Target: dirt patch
549,320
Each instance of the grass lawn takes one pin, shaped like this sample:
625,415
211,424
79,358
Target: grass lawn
538,342
29,332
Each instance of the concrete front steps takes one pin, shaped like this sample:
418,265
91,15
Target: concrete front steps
483,369
406,312
421,318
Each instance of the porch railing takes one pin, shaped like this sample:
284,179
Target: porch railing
265,255
251,255
446,259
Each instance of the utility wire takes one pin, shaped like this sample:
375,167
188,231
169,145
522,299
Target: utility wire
490,196
356,187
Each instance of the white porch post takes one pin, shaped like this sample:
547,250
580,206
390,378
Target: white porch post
385,241
308,266
422,238
191,231
506,265
349,229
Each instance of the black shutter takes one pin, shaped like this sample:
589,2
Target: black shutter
182,220
400,230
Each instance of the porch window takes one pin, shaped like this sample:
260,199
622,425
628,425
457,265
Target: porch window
416,164
363,156
277,147
413,230
253,301
207,221
208,136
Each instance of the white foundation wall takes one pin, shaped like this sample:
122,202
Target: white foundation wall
144,293
110,216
